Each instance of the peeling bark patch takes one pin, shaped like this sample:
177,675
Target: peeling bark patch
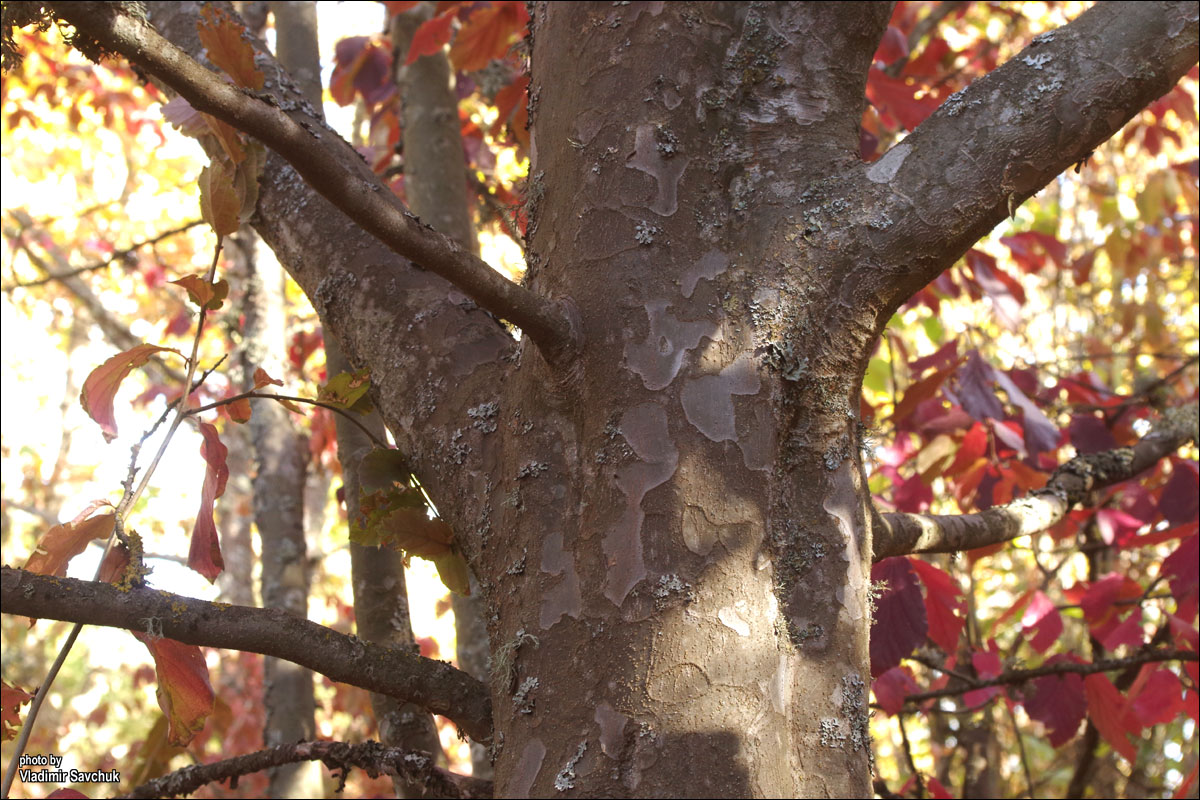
708,400
612,728
710,265
840,504
886,168
665,168
645,429
528,767
780,691
565,597
731,617
657,359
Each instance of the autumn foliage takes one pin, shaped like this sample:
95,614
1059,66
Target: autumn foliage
1071,330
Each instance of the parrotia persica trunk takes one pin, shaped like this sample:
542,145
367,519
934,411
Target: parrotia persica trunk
677,545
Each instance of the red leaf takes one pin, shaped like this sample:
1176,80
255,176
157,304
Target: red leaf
892,688
205,553
892,47
100,388
395,7
430,38
63,542
899,624
943,599
184,692
1097,602
1115,526
486,34
227,49
987,665
1042,617
1157,696
1182,568
921,390
912,495
1108,712
1058,702
11,700
897,98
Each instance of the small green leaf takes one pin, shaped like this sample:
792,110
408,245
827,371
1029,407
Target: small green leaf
348,391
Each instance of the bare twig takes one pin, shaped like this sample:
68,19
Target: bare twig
116,256
414,766
1059,668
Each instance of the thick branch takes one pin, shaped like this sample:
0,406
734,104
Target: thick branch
898,534
1015,676
374,758
331,167
434,685
999,141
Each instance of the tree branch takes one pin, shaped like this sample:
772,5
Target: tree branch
993,145
413,766
899,534
329,165
434,685
1015,676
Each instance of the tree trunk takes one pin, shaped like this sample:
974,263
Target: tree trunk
681,546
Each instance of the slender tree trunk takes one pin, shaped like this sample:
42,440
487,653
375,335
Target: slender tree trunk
436,187
381,608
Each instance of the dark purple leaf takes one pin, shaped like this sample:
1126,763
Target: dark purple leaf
976,381
1041,434
1089,434
912,495
943,357
1180,500
1058,702
899,624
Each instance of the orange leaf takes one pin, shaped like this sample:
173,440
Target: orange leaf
507,100
239,410
202,293
486,34
430,38
227,48
227,136
102,384
261,379
11,700
184,692
394,7
219,202
416,534
205,553
63,542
